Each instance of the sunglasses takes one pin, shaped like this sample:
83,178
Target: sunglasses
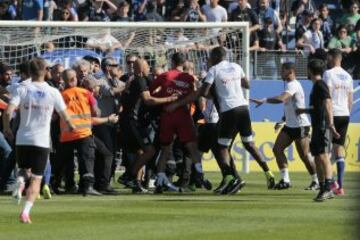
113,65
130,62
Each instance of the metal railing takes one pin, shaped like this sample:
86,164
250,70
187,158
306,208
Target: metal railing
267,64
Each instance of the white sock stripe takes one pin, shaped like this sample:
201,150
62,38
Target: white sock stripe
340,159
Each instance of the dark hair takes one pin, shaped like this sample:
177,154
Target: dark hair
323,5
91,59
178,59
105,62
320,53
342,26
24,68
313,21
4,68
37,67
335,53
289,66
316,66
218,53
123,4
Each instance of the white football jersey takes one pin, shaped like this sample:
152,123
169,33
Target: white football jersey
297,100
36,101
340,84
226,77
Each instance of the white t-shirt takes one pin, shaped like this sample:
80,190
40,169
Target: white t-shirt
217,14
315,39
340,84
227,79
36,102
210,113
297,100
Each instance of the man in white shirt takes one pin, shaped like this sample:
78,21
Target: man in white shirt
296,129
340,86
36,102
214,12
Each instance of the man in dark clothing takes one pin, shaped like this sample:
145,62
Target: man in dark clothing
322,126
136,134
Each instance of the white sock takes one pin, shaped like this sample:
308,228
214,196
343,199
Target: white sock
27,207
198,167
314,178
285,174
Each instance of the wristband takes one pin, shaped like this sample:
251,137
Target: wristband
265,100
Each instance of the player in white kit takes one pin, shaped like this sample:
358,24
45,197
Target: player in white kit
340,86
296,129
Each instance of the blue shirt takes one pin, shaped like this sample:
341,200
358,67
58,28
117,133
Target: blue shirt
31,8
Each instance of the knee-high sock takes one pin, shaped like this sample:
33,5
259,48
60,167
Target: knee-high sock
340,165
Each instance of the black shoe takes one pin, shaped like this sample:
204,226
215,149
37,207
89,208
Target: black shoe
91,191
108,191
74,189
313,186
123,179
236,185
281,185
158,190
138,189
323,195
202,182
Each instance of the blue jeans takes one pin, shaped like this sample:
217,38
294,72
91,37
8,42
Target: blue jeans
7,162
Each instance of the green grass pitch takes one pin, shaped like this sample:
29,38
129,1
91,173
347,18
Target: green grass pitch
254,213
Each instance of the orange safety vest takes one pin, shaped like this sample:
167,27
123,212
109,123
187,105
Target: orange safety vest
79,110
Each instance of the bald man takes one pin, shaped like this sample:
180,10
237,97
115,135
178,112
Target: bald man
136,128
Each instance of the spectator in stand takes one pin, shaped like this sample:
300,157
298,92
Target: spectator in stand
342,40
65,15
265,11
13,9
122,13
66,11
356,51
193,13
151,14
139,9
303,25
4,13
312,39
49,8
352,17
243,13
327,23
214,12
269,40
101,10
298,6
178,11
104,42
32,10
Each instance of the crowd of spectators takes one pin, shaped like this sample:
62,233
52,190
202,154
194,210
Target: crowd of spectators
306,25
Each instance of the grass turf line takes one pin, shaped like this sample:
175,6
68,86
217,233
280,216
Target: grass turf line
255,213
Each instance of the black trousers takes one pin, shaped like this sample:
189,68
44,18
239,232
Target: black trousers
85,148
107,134
103,164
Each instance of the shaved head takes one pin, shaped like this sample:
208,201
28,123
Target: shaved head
69,76
141,67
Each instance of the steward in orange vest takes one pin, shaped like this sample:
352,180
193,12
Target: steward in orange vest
81,106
